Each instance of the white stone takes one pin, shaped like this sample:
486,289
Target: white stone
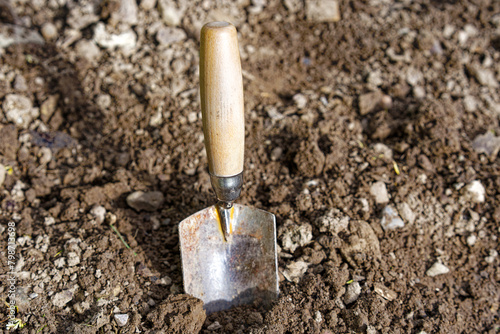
322,10
352,293
295,270
384,150
487,143
126,40
149,201
470,103
334,221
121,319
127,13
88,50
475,191
170,35
390,219
492,256
19,110
437,269
379,191
300,101
60,299
3,173
99,212
295,236
73,259
471,240
406,213
49,31
49,221
169,12
44,155
98,273
148,4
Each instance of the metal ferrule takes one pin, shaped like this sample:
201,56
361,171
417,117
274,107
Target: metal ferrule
227,189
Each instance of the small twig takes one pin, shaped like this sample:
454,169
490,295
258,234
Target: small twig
121,238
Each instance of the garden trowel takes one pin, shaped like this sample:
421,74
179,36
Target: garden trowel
228,250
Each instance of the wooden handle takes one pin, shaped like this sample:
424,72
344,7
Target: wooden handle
221,91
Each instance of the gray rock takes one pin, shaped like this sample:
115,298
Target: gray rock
88,50
73,259
370,102
300,101
19,110
141,201
148,4
121,319
334,222
475,192
352,293
99,212
384,291
384,150
390,219
169,12
126,40
470,103
60,299
414,77
169,35
294,236
437,269
483,75
20,83
488,144
49,31
322,10
82,15
293,6
379,191
406,213
127,13
3,173
295,270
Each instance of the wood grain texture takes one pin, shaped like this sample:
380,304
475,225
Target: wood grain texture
221,91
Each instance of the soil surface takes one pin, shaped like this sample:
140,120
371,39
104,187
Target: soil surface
372,134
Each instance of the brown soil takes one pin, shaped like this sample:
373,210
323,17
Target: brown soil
74,273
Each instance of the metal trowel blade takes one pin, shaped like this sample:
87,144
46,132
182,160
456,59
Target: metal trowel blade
238,271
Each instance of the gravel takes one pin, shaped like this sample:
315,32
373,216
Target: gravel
121,319
293,236
379,191
322,10
475,192
168,35
390,219
352,293
19,110
149,201
437,269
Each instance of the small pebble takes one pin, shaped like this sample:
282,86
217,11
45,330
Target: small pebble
390,219
437,269
471,240
295,270
148,4
88,50
300,101
98,273
384,291
488,144
33,295
276,153
169,35
3,173
492,256
322,10
475,191
149,201
379,191
352,293
99,212
60,299
19,110
215,326
45,155
73,259
20,83
169,13
419,92
49,31
121,319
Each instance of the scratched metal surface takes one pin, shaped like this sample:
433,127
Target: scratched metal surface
239,271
